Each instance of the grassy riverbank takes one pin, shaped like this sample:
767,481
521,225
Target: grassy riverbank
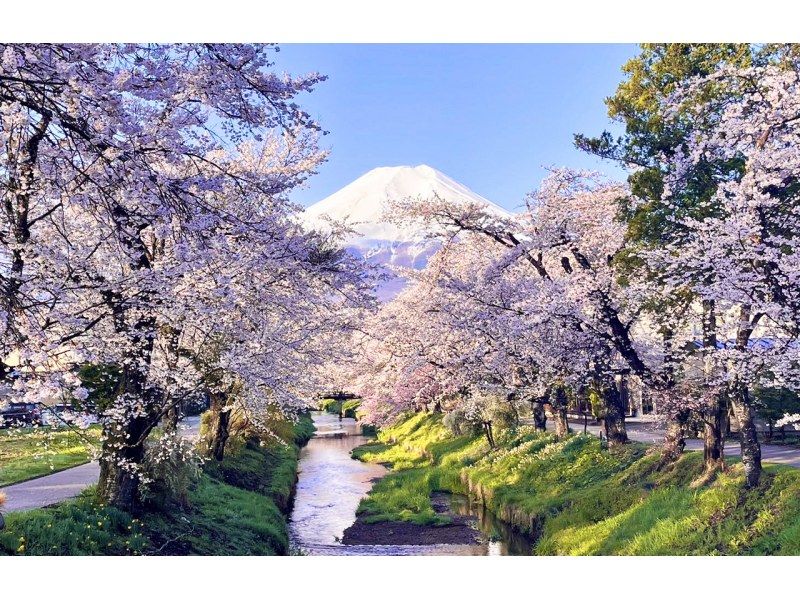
29,453
238,507
345,408
577,497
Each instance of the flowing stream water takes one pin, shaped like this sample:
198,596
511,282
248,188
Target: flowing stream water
331,484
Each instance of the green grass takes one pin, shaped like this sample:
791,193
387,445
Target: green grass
76,527
331,406
350,407
221,520
238,507
577,497
30,453
425,458
347,408
268,466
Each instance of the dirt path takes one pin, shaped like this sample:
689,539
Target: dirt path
56,487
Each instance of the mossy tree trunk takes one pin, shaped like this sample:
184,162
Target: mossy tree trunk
560,423
139,408
614,420
220,425
123,453
713,435
171,418
714,421
748,435
171,340
612,401
557,399
539,415
742,405
487,429
675,437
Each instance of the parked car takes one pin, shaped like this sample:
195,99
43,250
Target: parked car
20,414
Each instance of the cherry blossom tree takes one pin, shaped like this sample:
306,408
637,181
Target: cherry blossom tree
743,255
566,242
146,226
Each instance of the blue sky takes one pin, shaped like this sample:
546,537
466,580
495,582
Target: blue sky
490,116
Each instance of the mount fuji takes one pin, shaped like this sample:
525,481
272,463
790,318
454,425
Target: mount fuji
363,205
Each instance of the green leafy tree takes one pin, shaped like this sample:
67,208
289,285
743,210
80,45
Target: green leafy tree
650,142
772,403
650,139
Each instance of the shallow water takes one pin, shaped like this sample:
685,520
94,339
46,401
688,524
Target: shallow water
331,484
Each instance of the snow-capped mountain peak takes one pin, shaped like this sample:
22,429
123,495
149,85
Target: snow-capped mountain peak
363,204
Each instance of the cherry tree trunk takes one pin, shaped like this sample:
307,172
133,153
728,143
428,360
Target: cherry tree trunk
743,408
560,424
221,421
139,404
171,419
123,453
124,437
221,435
714,424
675,438
615,415
487,427
539,415
171,337
714,420
559,403
748,435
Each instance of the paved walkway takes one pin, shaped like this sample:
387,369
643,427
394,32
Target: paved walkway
59,486
648,432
